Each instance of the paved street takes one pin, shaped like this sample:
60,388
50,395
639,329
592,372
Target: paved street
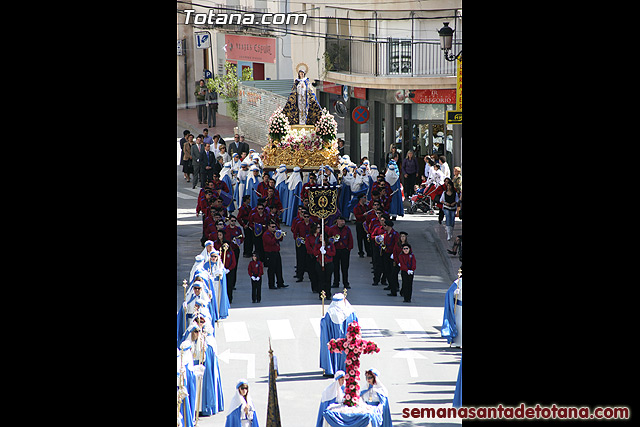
417,366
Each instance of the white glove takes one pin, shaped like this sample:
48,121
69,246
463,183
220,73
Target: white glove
226,271
457,291
410,272
253,278
391,256
184,305
323,250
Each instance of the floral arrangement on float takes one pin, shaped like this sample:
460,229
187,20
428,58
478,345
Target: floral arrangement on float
353,347
301,145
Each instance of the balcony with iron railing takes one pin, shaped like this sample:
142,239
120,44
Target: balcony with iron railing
388,57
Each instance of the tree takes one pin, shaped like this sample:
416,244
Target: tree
227,86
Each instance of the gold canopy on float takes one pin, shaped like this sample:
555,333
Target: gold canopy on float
274,156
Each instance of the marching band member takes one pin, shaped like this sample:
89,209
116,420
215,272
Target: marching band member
271,240
301,230
257,222
343,246
324,246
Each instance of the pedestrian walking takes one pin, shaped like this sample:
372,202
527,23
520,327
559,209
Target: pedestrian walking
256,270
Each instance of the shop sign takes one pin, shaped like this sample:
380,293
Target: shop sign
459,86
331,88
433,96
249,48
358,92
454,117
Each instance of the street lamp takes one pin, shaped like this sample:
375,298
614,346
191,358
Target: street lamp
446,39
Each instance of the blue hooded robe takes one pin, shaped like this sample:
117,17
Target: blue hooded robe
332,362
457,395
449,329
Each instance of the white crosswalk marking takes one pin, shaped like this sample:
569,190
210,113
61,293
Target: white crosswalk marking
369,328
280,329
235,331
315,324
186,197
412,329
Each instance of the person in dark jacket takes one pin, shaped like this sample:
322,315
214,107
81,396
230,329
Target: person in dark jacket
410,168
256,271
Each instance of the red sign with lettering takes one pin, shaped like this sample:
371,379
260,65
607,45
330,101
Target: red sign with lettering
249,48
434,96
331,88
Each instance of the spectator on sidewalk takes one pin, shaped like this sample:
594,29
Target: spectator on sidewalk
187,167
211,98
207,162
197,150
238,146
449,200
200,93
410,168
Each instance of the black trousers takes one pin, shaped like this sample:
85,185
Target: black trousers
274,266
378,265
407,285
324,277
231,282
361,237
301,262
248,243
313,276
256,290
389,271
341,262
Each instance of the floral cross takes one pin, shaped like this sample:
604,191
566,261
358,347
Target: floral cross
353,346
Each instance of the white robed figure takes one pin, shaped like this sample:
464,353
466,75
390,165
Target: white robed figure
334,325
226,177
241,185
392,177
218,283
452,318
186,386
377,394
253,181
205,360
281,186
242,413
334,393
294,188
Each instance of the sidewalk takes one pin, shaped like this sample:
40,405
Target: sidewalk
438,231
188,119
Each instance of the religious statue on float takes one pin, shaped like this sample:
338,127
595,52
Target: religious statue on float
302,107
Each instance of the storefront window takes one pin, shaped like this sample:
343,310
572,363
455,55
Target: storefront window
427,111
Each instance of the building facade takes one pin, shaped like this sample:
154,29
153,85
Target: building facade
386,57
266,49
